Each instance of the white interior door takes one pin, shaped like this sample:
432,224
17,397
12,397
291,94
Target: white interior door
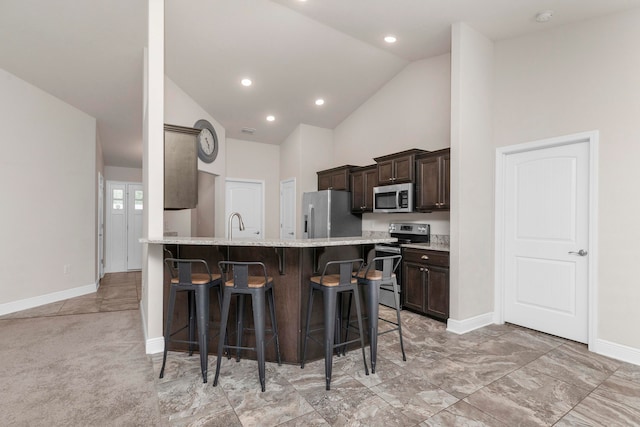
135,208
546,238
116,231
288,209
247,198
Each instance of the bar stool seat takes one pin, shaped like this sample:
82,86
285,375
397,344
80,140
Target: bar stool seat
260,287
198,286
331,285
375,281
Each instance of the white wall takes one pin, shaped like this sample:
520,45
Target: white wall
411,111
116,173
306,150
578,78
48,197
472,171
254,160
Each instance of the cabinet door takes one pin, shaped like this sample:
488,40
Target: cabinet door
324,181
370,181
358,191
445,174
403,169
413,292
437,301
385,172
340,180
428,183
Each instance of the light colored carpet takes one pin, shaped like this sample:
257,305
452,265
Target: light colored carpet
76,370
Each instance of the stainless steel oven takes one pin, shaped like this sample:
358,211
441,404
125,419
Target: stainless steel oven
405,233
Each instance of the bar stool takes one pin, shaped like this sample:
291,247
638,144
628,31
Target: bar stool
375,281
331,285
260,287
198,286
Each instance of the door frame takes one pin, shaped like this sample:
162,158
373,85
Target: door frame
101,236
592,139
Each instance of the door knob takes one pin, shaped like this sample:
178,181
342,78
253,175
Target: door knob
581,252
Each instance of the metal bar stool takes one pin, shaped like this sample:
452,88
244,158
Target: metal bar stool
375,281
331,285
260,287
198,286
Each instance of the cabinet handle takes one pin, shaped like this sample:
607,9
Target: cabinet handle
424,257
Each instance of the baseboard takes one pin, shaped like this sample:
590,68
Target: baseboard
467,325
616,351
27,303
152,345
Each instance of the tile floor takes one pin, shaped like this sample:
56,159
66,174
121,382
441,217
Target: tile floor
500,375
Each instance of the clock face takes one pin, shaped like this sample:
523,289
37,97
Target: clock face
207,141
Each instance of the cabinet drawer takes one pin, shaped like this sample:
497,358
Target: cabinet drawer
426,257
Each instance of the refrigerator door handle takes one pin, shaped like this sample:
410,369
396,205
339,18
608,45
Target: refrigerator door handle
311,223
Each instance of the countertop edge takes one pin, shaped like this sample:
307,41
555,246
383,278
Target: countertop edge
274,243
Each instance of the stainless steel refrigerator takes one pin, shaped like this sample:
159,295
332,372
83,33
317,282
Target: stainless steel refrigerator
328,214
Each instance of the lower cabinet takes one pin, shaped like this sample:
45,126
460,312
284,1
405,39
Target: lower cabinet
425,278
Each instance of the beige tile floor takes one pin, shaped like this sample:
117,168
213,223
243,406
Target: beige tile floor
500,375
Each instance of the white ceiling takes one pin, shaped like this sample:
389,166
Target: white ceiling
89,54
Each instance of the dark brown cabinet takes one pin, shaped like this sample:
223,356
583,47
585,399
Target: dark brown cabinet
433,181
334,179
363,179
425,278
397,168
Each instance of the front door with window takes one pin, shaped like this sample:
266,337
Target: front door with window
125,204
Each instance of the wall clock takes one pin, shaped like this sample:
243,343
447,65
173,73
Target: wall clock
207,141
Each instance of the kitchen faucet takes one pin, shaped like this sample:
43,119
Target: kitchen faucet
240,223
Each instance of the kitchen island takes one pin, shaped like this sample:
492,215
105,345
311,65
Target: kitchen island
290,262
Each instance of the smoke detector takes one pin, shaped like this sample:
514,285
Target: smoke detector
250,131
544,16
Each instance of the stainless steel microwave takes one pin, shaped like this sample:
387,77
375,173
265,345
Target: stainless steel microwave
393,198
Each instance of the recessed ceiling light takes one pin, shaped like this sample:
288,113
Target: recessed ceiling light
319,101
270,118
246,82
544,16
390,39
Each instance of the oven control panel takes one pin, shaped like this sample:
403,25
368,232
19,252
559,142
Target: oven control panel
404,228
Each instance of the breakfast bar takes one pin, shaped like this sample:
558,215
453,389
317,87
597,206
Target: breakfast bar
290,262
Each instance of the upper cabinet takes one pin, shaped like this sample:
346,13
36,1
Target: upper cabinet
397,168
180,167
433,181
363,179
334,179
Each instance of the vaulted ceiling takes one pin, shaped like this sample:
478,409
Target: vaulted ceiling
89,53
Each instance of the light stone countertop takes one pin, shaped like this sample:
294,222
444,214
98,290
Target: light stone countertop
271,243
443,247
